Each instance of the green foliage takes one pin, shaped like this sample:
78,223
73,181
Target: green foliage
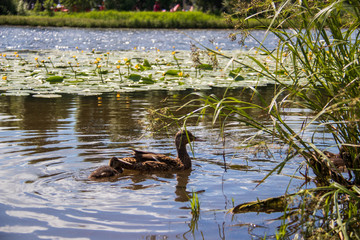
37,6
22,8
48,5
115,19
213,6
7,7
80,5
195,205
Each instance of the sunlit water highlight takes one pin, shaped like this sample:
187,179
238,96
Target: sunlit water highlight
33,38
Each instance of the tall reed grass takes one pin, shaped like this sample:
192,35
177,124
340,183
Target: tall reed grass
319,56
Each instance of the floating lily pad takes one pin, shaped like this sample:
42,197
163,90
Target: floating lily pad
55,79
134,77
205,67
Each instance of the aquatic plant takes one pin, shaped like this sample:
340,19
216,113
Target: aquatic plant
316,68
194,205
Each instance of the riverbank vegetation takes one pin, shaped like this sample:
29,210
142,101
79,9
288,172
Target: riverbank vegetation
115,19
320,61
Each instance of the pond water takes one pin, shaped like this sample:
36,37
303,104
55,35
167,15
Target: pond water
32,38
50,146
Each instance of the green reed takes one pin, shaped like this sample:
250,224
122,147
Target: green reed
195,205
319,58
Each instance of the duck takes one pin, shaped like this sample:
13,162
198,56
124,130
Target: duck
149,161
113,169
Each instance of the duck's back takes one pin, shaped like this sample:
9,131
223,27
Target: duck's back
158,163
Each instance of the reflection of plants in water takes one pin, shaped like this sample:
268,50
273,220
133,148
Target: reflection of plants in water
319,60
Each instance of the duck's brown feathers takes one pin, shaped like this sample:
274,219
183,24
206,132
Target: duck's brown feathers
149,161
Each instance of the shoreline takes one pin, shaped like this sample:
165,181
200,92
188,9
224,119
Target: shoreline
115,19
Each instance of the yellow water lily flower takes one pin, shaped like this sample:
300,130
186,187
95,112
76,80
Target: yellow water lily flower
4,78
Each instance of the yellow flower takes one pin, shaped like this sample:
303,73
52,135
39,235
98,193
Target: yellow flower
36,59
181,74
69,63
125,59
119,61
118,66
158,50
42,61
74,56
99,66
173,52
77,47
49,58
4,55
96,62
173,47
15,53
134,48
137,66
128,63
4,78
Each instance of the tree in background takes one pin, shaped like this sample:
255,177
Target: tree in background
141,5
212,6
80,5
7,7
22,8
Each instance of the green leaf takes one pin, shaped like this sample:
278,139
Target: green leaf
236,74
135,77
172,72
205,67
146,63
55,79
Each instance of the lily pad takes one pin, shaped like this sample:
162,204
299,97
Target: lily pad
172,72
205,67
55,79
135,77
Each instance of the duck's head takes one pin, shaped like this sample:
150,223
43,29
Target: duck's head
116,164
184,137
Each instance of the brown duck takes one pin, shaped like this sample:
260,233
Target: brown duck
148,161
113,169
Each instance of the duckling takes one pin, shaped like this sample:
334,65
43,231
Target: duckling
148,161
111,170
